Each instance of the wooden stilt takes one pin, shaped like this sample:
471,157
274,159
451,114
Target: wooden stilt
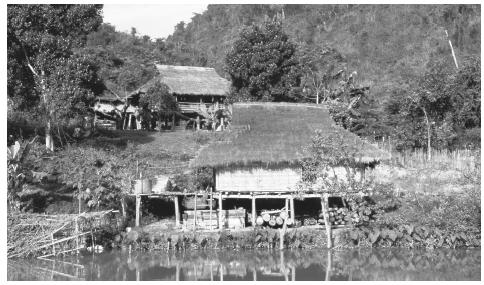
177,273
211,272
253,212
221,272
130,121
293,273
195,214
77,236
293,212
138,210
220,226
328,267
211,206
177,212
254,274
173,123
327,224
286,206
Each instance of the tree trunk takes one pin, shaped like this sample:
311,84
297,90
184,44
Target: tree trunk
428,134
49,141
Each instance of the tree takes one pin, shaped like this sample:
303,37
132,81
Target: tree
41,40
443,106
263,65
158,99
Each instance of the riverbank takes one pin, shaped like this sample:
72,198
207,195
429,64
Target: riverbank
405,236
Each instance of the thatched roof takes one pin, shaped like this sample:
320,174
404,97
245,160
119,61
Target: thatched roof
109,96
189,80
277,133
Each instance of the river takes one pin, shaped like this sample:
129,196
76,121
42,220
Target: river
260,265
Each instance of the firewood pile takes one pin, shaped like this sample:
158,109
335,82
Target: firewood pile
274,218
337,216
356,211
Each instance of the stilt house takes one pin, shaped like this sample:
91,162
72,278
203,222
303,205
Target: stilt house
261,157
191,86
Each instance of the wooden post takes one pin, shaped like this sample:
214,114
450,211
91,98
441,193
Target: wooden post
254,274
130,121
198,122
211,208
328,267
77,235
327,224
138,210
195,214
220,226
293,212
253,211
221,272
286,206
177,273
293,273
173,122
177,211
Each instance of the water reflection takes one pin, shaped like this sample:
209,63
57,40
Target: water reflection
257,265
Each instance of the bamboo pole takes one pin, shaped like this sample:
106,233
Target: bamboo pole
53,244
177,211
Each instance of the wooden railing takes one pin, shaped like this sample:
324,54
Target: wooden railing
188,107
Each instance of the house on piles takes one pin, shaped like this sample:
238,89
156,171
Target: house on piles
108,109
194,88
260,159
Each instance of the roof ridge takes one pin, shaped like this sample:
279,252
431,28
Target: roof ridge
279,104
184,67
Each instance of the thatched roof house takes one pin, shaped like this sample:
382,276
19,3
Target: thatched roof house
189,81
277,134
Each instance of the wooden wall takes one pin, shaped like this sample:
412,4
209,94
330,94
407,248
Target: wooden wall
254,179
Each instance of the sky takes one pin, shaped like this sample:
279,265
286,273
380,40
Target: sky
154,20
